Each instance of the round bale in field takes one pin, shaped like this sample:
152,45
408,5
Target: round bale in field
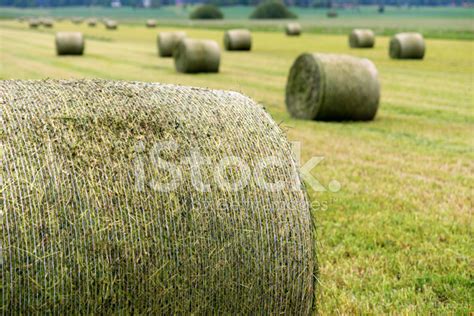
47,22
238,39
77,20
407,46
293,29
168,41
192,56
332,14
69,43
330,87
143,198
362,38
150,23
33,23
111,24
92,22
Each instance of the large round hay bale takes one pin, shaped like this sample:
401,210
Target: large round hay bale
132,198
192,56
69,43
33,23
238,39
293,29
407,46
150,23
362,38
168,41
92,22
332,87
111,24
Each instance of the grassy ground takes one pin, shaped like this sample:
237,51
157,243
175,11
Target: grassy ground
432,22
398,236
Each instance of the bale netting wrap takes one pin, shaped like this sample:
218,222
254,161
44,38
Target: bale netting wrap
407,46
150,23
332,87
238,39
362,38
69,43
105,211
193,56
293,29
167,42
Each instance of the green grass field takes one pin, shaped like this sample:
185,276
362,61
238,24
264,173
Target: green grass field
398,236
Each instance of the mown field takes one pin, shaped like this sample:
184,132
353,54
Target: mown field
398,236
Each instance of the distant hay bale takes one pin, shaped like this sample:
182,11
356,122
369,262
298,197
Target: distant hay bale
238,39
192,56
111,24
407,46
293,29
150,23
168,41
331,87
47,22
99,222
69,43
33,23
92,22
362,38
77,20
332,14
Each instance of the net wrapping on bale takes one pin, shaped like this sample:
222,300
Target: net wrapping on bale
85,230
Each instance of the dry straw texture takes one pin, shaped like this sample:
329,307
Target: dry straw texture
332,87
238,39
362,38
84,231
193,56
168,41
150,23
69,43
293,29
407,46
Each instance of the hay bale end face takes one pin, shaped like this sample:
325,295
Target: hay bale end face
331,87
69,43
83,161
193,56
362,38
111,25
168,41
293,29
150,23
238,39
407,46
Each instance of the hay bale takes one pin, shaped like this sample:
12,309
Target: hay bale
69,43
111,24
362,38
293,29
33,23
89,231
193,56
47,22
238,39
407,46
332,87
77,20
332,14
92,22
168,41
150,23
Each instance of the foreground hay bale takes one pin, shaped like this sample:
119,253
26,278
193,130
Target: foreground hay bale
332,87
238,39
92,233
193,56
69,43
293,29
362,38
407,46
150,23
33,23
168,41
92,22
111,24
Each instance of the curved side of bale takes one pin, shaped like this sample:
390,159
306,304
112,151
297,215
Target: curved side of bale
167,42
407,46
150,23
91,207
293,29
332,87
362,38
69,43
111,25
193,56
238,39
